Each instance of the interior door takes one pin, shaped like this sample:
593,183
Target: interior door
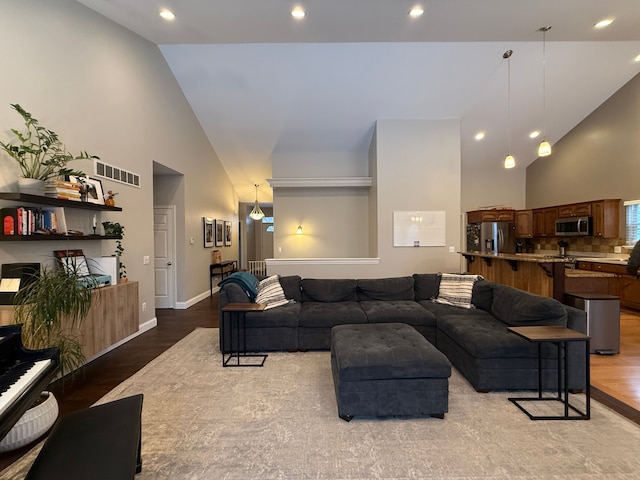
164,256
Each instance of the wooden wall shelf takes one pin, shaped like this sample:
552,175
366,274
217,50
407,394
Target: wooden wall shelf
57,202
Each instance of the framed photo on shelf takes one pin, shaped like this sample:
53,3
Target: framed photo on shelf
207,224
92,187
219,233
227,234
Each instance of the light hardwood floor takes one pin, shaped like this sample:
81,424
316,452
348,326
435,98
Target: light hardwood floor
615,379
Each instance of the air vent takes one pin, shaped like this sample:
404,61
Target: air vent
116,174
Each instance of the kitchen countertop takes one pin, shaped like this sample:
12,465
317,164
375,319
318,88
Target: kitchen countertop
522,257
575,273
608,260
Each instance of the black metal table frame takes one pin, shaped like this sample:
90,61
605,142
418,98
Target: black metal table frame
563,385
240,325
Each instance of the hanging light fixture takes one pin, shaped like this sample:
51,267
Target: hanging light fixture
544,149
509,161
256,213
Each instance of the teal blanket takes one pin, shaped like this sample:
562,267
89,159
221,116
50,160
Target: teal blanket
246,280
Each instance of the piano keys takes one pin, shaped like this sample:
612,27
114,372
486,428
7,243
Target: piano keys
24,374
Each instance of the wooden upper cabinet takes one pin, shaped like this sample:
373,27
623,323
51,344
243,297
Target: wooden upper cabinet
575,210
606,218
490,216
544,222
524,223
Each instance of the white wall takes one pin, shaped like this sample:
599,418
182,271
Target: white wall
108,91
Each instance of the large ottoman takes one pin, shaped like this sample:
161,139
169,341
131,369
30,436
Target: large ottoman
386,369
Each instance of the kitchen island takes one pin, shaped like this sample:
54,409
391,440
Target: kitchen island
540,274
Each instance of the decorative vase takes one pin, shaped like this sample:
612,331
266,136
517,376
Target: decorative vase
109,202
34,423
31,186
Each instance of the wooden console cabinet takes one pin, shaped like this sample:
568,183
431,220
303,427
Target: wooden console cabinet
113,316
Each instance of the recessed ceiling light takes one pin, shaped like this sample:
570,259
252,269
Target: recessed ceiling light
479,136
167,14
416,12
637,59
298,12
605,22
534,134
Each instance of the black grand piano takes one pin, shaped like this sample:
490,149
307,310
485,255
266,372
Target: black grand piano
24,374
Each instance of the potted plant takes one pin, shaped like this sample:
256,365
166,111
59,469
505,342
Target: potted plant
114,229
50,309
39,153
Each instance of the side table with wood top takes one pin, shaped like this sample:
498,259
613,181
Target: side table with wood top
234,321
560,336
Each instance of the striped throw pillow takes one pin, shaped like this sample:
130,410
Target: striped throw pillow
456,290
270,293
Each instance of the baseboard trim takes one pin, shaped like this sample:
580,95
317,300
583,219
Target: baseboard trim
198,298
146,326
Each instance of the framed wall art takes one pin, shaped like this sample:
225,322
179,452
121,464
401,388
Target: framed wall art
227,234
219,233
207,224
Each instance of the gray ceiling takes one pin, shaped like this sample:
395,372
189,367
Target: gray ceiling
262,83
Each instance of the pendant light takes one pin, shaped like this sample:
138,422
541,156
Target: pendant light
544,149
509,161
256,213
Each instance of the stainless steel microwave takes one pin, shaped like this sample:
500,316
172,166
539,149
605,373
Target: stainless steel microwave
574,227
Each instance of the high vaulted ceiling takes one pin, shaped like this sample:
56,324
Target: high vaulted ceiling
263,83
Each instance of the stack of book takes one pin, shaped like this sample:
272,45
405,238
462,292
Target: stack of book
33,221
64,189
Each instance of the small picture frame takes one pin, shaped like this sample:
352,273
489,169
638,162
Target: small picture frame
208,232
93,192
227,234
219,233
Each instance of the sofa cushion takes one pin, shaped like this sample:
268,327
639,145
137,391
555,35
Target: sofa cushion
321,314
456,290
291,286
400,311
426,285
235,293
517,307
482,296
399,288
483,336
440,309
328,290
283,316
270,293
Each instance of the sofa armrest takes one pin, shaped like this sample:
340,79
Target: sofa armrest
576,319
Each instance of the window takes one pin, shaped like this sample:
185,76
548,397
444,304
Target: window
632,211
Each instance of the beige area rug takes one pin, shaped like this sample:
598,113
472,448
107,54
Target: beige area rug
202,421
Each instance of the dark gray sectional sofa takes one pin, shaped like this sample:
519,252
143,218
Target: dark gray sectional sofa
476,341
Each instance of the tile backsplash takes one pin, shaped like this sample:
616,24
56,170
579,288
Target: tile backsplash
582,244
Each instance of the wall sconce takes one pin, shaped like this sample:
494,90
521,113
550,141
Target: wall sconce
299,230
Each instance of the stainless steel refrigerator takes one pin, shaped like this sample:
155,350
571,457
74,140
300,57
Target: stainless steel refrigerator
498,237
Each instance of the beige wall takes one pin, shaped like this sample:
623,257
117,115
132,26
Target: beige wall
108,91
599,158
414,165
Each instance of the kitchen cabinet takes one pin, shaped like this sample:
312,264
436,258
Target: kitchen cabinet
495,215
606,218
629,292
544,222
524,223
627,287
575,210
